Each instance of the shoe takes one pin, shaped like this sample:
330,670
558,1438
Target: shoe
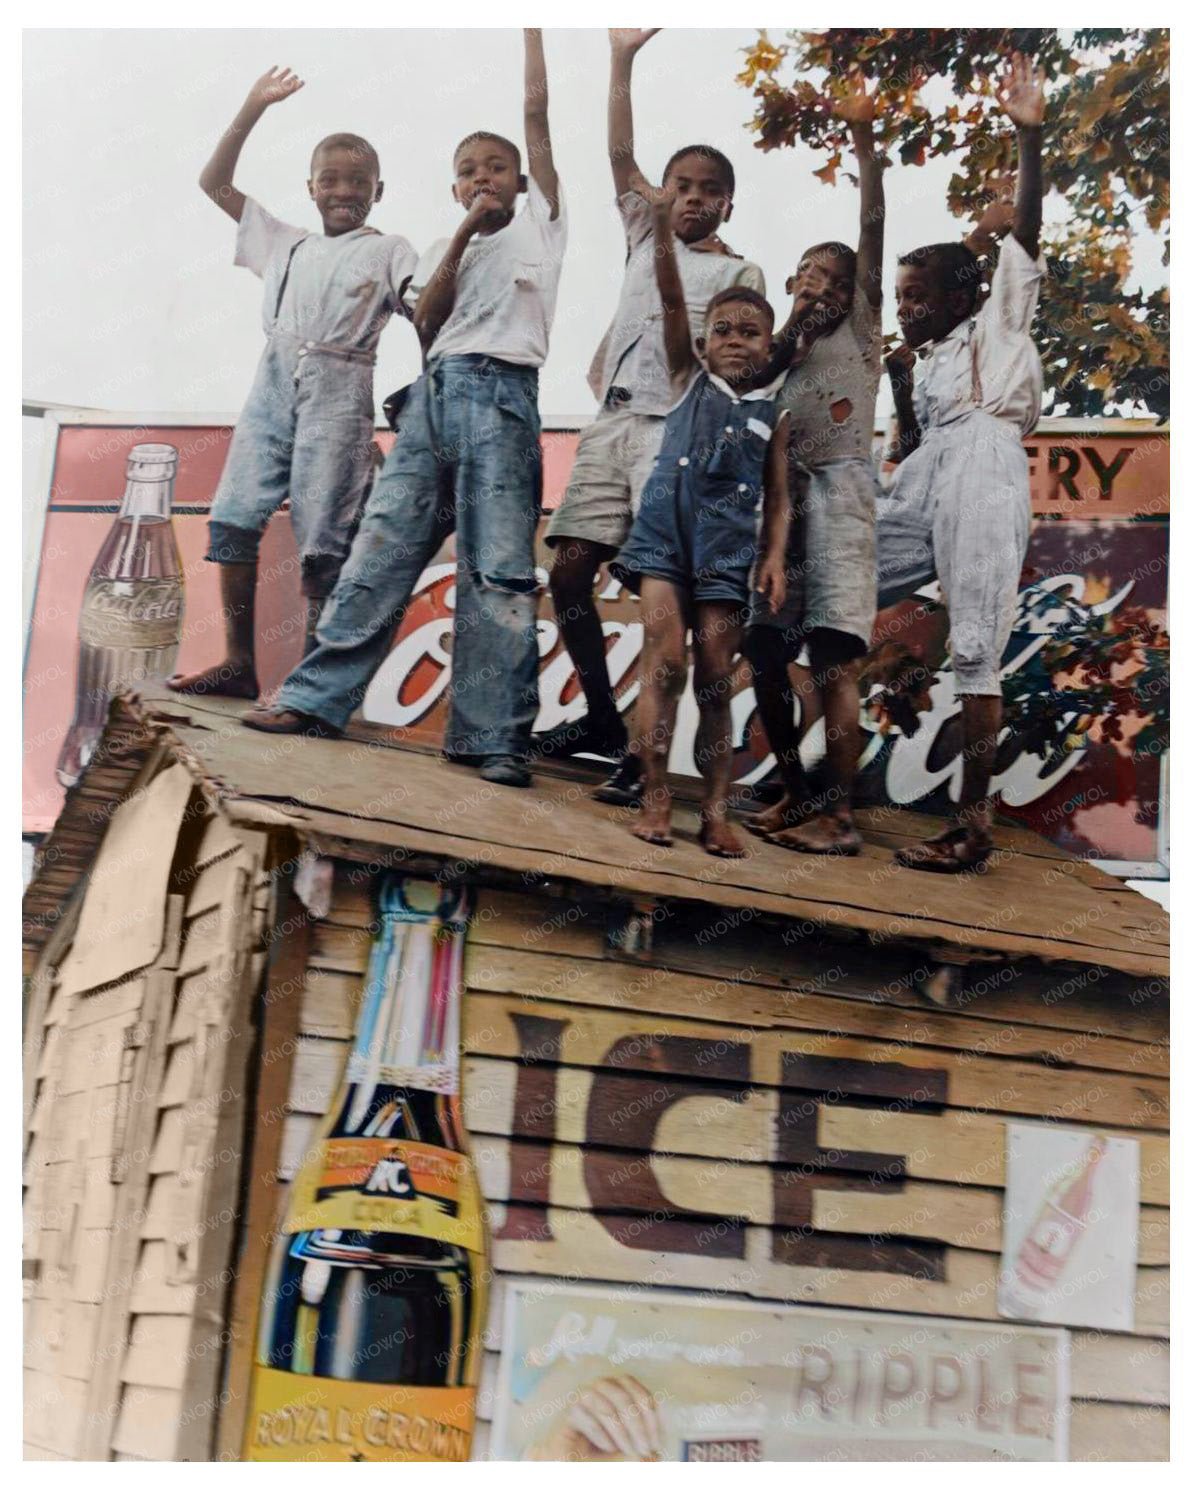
505,770
290,722
625,786
581,737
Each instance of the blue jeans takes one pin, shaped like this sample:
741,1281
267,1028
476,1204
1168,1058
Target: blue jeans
467,458
305,432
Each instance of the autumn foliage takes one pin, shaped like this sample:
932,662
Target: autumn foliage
1104,340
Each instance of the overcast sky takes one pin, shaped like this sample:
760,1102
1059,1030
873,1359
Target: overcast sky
131,298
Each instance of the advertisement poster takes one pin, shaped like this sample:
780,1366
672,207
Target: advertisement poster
1070,1228
1098,548
606,1375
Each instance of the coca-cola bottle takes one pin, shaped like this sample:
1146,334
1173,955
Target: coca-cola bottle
130,623
1036,1269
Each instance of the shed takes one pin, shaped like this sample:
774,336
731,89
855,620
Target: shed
782,1083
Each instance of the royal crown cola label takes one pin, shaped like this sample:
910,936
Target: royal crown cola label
368,1344
130,622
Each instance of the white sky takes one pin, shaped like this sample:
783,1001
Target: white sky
131,299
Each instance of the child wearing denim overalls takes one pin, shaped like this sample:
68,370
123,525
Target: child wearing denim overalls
306,428
695,542
467,459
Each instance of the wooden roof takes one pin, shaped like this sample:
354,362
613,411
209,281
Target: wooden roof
372,791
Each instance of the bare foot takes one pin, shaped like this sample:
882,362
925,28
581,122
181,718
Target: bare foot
654,820
826,833
718,837
785,813
229,679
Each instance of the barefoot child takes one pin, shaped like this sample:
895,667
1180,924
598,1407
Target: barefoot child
959,506
631,379
835,333
306,430
695,540
466,459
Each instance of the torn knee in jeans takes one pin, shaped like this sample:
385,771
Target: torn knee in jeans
976,671
509,584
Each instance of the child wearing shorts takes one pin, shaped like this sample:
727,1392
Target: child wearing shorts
632,382
695,542
835,333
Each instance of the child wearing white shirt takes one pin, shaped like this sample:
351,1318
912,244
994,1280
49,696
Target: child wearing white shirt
306,430
960,504
467,459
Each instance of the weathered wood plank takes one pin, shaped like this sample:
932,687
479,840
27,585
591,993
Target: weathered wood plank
148,1423
641,989
157,1351
817,1060
579,1244
545,1103
745,947
285,995
1116,1433
964,1217
560,833
1120,1368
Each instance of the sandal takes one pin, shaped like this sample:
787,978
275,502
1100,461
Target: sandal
957,851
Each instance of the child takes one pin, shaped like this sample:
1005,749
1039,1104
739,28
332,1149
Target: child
306,431
835,325
695,539
959,506
467,459
631,380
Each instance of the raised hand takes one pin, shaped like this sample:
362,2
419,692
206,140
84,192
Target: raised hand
485,211
856,105
271,87
1020,92
630,39
997,216
661,198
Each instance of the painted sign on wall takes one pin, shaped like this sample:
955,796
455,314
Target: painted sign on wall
1101,542
1070,1228
595,1375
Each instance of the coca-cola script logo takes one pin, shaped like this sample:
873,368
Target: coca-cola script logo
131,613
415,676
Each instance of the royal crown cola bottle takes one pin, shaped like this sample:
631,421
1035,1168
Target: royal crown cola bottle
368,1344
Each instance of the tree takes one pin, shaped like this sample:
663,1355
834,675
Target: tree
1106,150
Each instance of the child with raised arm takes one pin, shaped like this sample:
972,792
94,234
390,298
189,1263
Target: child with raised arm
631,380
467,459
695,540
306,430
959,507
834,336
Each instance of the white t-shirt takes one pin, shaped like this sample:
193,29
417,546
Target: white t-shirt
505,288
632,353
338,291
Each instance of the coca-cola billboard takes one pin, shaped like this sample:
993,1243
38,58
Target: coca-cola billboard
1099,546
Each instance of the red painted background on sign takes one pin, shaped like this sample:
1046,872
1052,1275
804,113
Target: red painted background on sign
1105,493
